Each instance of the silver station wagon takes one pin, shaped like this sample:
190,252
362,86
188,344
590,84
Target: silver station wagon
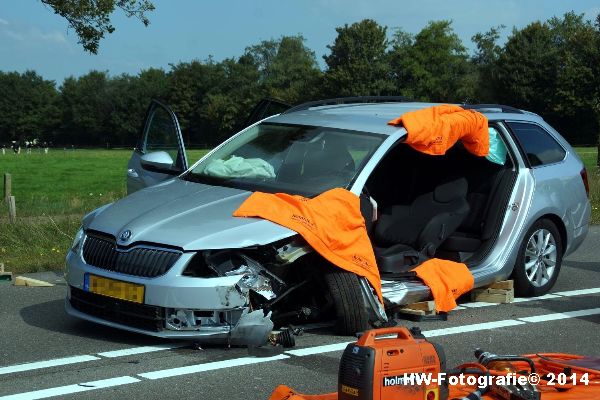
170,260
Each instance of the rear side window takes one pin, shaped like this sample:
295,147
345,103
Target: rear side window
541,148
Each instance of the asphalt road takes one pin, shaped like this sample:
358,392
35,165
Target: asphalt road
44,353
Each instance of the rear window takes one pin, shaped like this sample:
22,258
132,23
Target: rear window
541,148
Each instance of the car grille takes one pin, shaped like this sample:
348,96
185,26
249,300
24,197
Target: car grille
141,316
101,252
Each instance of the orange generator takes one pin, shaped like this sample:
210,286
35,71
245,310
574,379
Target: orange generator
392,364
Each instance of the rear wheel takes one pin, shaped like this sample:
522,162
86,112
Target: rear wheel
539,259
350,309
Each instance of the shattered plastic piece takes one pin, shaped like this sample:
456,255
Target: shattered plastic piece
252,329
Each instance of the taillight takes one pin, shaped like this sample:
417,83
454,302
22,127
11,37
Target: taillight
585,181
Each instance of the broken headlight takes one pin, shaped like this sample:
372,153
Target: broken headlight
253,276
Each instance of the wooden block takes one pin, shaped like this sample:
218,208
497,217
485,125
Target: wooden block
506,296
25,281
423,305
411,311
502,285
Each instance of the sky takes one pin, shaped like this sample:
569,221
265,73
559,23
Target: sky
33,37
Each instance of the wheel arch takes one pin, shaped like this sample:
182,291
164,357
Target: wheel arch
560,225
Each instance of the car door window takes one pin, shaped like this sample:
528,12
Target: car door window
162,135
538,144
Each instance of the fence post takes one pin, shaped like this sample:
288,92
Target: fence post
7,186
12,210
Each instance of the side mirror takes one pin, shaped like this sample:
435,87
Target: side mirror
159,161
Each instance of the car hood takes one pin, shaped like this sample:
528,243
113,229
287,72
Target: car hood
188,215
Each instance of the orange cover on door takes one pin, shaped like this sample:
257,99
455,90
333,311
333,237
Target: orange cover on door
434,130
330,222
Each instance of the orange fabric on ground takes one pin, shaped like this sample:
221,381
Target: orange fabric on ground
434,130
283,392
331,223
447,281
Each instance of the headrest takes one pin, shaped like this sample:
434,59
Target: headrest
452,190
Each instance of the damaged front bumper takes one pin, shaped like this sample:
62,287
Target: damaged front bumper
175,306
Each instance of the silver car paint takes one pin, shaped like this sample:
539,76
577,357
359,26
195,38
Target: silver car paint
187,215
196,217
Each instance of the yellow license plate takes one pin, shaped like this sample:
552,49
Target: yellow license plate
113,288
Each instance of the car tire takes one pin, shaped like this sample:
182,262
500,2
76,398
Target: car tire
351,314
539,259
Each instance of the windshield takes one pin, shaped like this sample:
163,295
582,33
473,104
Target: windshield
293,159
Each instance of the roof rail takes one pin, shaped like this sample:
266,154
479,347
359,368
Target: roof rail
348,100
491,107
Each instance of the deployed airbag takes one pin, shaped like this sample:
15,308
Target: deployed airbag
434,130
239,167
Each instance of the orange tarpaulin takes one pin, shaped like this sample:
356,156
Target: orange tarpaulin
331,223
447,280
434,130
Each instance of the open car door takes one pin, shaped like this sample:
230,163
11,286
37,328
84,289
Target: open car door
265,108
160,153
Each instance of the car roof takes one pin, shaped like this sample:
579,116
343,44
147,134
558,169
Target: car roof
373,117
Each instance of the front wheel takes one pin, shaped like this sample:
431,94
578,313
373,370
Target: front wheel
351,312
539,260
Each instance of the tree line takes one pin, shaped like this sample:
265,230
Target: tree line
550,68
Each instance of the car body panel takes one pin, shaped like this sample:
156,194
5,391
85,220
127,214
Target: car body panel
186,215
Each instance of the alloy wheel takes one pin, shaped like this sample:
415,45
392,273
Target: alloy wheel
540,257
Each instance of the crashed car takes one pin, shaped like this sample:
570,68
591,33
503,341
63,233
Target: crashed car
170,260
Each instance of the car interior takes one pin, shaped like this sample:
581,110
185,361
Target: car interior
448,207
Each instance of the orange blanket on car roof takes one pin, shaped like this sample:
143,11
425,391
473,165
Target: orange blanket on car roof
434,130
331,223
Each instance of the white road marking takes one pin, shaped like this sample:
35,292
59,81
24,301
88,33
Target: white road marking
140,350
579,292
237,362
557,316
472,328
478,304
548,296
69,389
63,390
307,351
45,364
192,369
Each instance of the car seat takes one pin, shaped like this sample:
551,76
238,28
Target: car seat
406,235
330,157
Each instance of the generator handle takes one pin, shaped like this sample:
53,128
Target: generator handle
369,337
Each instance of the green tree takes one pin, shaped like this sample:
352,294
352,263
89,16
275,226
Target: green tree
288,69
433,65
358,64
86,109
128,99
29,107
90,19
551,68
229,103
484,61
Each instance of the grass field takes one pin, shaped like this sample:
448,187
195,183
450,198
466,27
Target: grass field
54,191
